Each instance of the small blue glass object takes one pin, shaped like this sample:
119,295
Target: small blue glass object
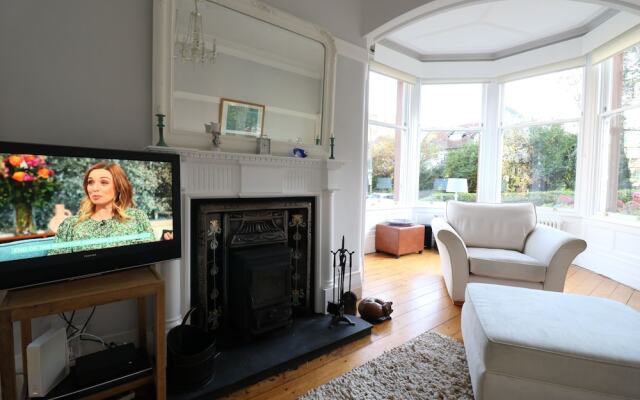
300,153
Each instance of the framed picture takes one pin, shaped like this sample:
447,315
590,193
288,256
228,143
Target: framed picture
241,118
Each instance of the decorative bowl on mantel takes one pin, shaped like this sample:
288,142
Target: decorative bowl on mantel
300,153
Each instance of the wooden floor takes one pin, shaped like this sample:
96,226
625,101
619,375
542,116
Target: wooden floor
421,303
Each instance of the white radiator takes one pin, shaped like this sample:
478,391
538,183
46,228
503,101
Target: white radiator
552,222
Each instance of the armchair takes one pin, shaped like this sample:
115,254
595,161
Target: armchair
501,244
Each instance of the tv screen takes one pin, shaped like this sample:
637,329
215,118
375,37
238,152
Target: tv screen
69,212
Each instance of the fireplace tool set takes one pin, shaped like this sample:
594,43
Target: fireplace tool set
345,299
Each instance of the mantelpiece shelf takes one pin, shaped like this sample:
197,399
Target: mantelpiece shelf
249,158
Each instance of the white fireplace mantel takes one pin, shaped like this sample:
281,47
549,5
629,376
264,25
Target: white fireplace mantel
211,174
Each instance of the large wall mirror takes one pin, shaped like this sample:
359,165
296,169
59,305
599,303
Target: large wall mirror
255,70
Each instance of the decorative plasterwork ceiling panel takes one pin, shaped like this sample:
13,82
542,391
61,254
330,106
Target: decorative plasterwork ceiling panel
493,30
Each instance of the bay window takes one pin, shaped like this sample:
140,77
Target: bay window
450,127
540,124
388,124
620,129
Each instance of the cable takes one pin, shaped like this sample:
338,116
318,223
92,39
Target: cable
70,324
84,327
94,338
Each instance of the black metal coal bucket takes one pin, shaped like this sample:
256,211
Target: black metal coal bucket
191,353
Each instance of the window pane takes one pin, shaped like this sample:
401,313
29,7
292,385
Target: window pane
543,98
385,99
625,78
539,164
448,154
381,160
451,106
624,129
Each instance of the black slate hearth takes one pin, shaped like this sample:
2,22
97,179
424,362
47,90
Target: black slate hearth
306,338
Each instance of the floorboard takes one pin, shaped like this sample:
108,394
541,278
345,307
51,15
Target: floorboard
421,303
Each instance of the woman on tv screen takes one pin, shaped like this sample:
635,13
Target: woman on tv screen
107,216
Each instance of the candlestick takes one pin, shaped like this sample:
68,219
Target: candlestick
332,142
161,126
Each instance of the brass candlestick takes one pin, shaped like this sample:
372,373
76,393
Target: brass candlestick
161,126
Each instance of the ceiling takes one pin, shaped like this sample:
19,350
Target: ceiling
497,29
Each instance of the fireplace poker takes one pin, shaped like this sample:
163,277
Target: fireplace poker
350,298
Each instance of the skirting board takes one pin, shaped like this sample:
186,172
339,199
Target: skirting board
610,265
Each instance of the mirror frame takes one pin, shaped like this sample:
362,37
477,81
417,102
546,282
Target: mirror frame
162,92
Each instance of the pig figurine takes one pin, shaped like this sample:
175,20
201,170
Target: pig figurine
375,310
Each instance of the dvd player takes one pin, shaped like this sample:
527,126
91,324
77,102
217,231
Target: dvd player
103,370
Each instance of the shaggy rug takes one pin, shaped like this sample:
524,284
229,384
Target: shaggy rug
430,366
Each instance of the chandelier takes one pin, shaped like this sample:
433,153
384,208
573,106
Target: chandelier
190,46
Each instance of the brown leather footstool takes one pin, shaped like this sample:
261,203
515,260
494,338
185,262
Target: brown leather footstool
399,240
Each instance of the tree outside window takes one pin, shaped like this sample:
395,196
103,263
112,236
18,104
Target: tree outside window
540,126
450,125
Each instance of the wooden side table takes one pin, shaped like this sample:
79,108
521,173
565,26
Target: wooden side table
25,304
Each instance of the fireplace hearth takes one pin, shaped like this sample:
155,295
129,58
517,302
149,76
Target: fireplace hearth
275,352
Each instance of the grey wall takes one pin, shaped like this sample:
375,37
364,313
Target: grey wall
76,72
342,18
377,12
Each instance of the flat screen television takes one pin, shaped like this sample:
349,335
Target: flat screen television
68,212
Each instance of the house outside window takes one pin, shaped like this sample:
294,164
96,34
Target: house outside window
388,125
620,130
450,127
540,125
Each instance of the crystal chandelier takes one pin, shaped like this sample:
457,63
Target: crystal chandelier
190,45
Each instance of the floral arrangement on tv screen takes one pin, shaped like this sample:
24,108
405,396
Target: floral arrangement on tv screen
25,181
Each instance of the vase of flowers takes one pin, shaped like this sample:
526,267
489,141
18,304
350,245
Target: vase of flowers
25,181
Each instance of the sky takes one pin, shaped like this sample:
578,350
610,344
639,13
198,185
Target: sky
542,98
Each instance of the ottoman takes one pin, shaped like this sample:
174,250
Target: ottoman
399,240
534,344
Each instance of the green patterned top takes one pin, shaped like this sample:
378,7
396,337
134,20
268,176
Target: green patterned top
91,234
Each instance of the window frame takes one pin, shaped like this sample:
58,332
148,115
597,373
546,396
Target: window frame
609,178
579,121
401,138
421,131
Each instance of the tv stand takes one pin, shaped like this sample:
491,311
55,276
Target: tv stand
25,304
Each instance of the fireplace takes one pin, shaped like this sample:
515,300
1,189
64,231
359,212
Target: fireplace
267,201
252,270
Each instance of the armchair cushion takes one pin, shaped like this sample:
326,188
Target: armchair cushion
493,226
505,264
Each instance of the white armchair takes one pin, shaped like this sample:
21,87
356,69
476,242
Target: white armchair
501,244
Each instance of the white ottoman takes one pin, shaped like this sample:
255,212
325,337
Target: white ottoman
534,344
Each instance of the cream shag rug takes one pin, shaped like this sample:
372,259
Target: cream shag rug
430,366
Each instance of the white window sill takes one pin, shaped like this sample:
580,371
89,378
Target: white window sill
618,219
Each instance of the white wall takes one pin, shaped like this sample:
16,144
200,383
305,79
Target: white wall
349,125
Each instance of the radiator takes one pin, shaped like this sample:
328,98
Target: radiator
552,222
